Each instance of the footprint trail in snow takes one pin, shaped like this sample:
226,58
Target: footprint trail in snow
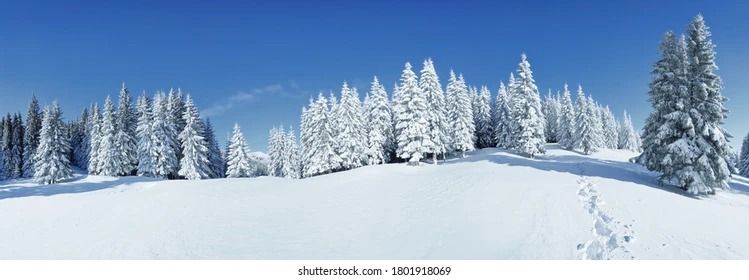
609,235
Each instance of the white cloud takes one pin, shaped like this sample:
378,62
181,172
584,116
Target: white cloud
252,95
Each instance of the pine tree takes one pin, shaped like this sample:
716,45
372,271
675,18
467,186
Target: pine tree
276,149
503,118
411,119
610,128
528,120
628,139
51,161
460,115
176,109
744,158
166,163
194,164
483,119
95,135
83,141
291,163
144,132
430,86
587,135
31,136
306,136
125,141
350,139
110,156
216,161
567,126
323,157
380,127
238,160
709,111
551,109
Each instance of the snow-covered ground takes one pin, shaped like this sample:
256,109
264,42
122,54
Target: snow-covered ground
490,205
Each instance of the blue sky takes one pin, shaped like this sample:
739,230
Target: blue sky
258,63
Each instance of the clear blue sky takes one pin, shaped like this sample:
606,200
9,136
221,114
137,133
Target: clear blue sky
258,63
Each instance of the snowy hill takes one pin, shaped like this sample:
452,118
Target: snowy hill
490,205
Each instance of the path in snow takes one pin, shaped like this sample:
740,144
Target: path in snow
609,236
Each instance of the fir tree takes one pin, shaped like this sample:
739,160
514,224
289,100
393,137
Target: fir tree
144,132
430,86
567,126
110,157
238,160
528,120
380,127
503,118
744,158
51,161
291,163
483,119
350,138
628,139
551,109
276,149
460,115
216,161
31,136
411,119
95,135
194,164
166,163
587,135
124,135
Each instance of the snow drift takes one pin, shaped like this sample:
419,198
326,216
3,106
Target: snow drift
490,205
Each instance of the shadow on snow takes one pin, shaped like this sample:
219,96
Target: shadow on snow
77,184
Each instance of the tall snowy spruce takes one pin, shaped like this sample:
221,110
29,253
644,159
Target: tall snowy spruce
320,154
165,159
430,86
709,110
215,159
411,119
31,136
194,164
238,163
609,128
567,116
290,157
350,139
51,160
587,131
744,157
80,140
110,156
379,123
276,147
503,118
482,119
460,115
95,142
144,133
528,120
551,109
628,138
125,135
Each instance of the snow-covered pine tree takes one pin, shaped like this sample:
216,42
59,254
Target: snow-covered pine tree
567,116
503,118
110,156
350,138
144,135
380,124
306,136
276,151
16,149
411,119
95,135
528,120
430,86
31,136
460,115
216,161
744,158
194,164
628,135
166,163
82,144
176,108
609,128
291,164
587,135
238,160
125,140
709,111
483,119
551,108
51,161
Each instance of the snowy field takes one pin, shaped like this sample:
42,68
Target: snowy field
490,205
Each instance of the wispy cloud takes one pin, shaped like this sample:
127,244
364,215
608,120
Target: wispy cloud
253,95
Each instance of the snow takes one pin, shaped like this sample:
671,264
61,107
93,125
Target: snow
492,204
